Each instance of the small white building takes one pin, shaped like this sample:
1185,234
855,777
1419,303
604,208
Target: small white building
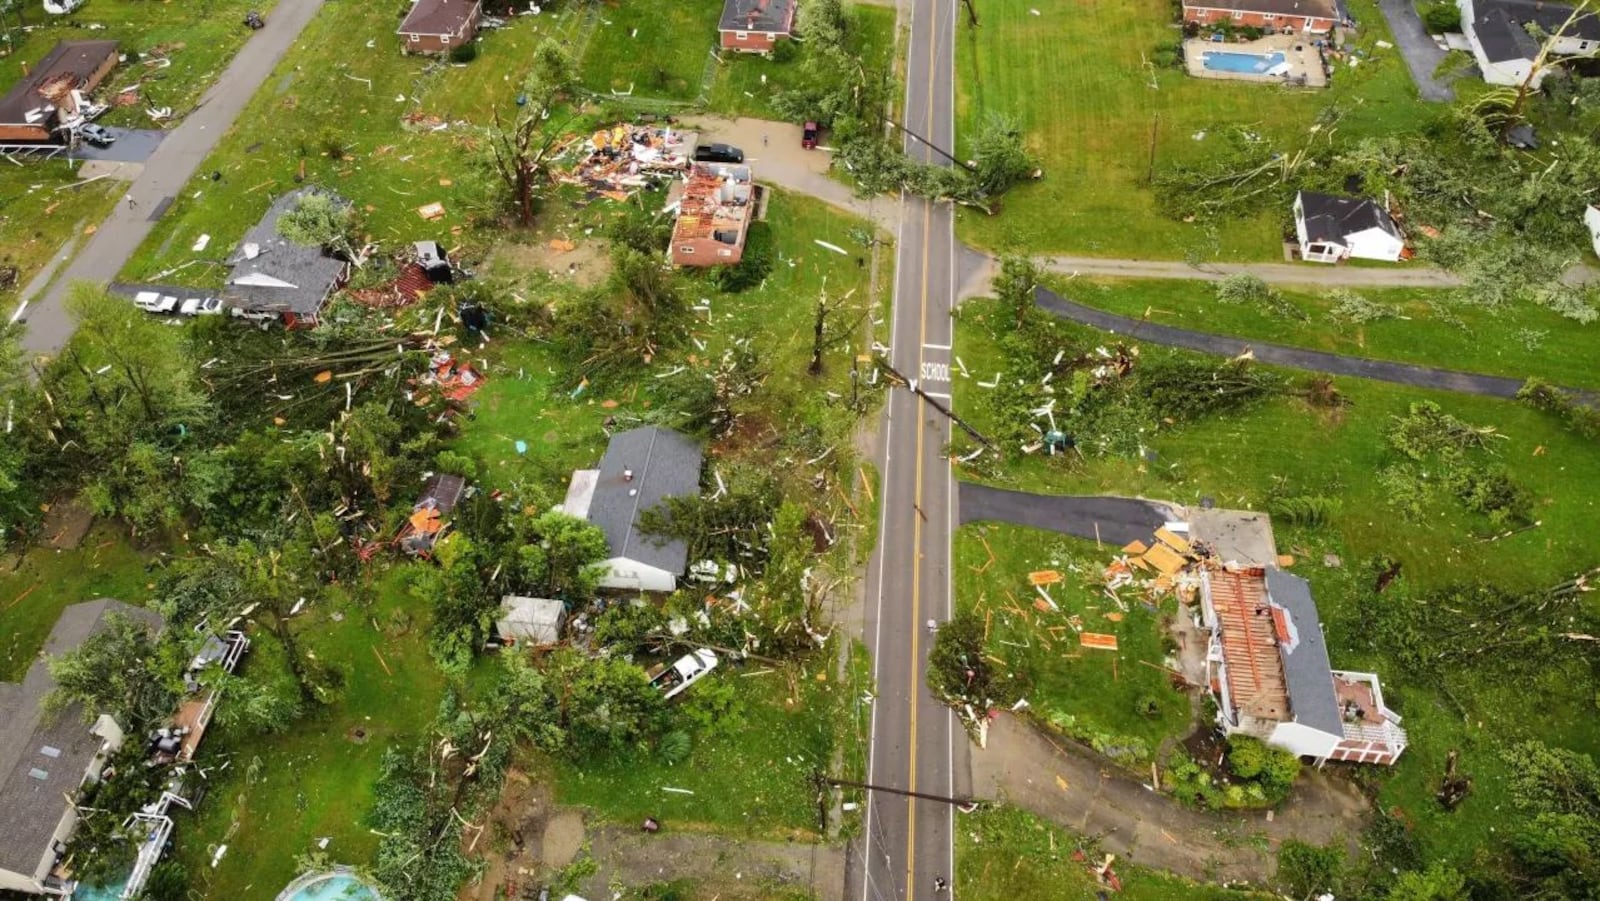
1591,218
1332,229
641,468
1267,667
530,622
1504,49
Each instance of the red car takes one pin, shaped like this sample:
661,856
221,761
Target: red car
808,136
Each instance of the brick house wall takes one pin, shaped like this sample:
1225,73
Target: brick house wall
749,41
1240,19
706,252
443,43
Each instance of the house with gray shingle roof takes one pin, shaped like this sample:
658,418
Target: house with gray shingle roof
45,758
1505,47
272,274
641,469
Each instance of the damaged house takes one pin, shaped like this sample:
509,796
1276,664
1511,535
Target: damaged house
1267,668
715,206
49,98
641,468
1332,229
427,523
755,26
1501,34
46,759
439,26
274,276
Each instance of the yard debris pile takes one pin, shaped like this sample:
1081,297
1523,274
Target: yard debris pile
405,289
614,160
452,379
1163,566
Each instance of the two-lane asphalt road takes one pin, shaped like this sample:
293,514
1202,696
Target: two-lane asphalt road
916,745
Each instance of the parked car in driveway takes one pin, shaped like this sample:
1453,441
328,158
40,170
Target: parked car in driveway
718,153
96,135
201,306
808,135
155,302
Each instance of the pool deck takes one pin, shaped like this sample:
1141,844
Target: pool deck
1305,64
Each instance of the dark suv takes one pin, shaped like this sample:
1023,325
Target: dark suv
718,153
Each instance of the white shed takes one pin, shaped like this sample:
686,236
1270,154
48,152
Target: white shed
535,622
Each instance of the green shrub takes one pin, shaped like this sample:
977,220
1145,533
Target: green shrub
753,267
1246,756
674,747
465,53
1308,870
1441,16
457,463
1304,510
1352,308
784,51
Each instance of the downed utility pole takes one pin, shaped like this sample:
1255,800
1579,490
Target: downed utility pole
934,402
966,805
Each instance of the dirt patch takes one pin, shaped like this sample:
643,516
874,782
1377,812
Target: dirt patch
65,524
586,264
719,867
358,736
563,838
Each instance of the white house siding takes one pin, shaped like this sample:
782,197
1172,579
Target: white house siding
1374,244
631,575
1591,218
1303,741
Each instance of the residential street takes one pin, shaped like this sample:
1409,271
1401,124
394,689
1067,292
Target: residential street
916,743
165,174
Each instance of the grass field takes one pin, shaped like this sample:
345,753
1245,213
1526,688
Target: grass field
1429,328
1077,81
282,793
1091,695
39,213
654,50
1006,854
1239,459
739,89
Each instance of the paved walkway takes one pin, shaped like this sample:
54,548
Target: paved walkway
1421,54
1399,275
165,174
1025,767
1278,354
1115,520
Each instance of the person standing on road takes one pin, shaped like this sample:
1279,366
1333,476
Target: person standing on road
131,204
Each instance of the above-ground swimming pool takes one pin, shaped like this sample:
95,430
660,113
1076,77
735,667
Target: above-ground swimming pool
1244,63
339,885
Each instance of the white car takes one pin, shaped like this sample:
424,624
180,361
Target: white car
685,672
153,302
253,315
201,306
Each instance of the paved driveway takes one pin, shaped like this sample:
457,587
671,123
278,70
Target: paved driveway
134,145
1117,520
1421,54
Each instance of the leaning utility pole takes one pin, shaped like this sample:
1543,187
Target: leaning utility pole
966,805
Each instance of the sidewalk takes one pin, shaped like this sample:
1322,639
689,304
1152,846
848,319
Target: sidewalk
165,174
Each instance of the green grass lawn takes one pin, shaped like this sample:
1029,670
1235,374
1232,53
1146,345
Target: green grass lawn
313,104
1075,78
282,793
654,50
750,774
44,581
1237,460
1006,854
39,213
740,90
1091,695
1430,328
200,40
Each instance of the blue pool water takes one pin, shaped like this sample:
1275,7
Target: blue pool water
335,887
100,892
1246,63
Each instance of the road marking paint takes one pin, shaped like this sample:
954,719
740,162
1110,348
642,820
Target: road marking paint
935,347
936,394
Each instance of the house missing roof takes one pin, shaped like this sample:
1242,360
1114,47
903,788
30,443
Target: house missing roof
641,468
45,759
427,523
714,213
755,26
272,274
51,94
1268,668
